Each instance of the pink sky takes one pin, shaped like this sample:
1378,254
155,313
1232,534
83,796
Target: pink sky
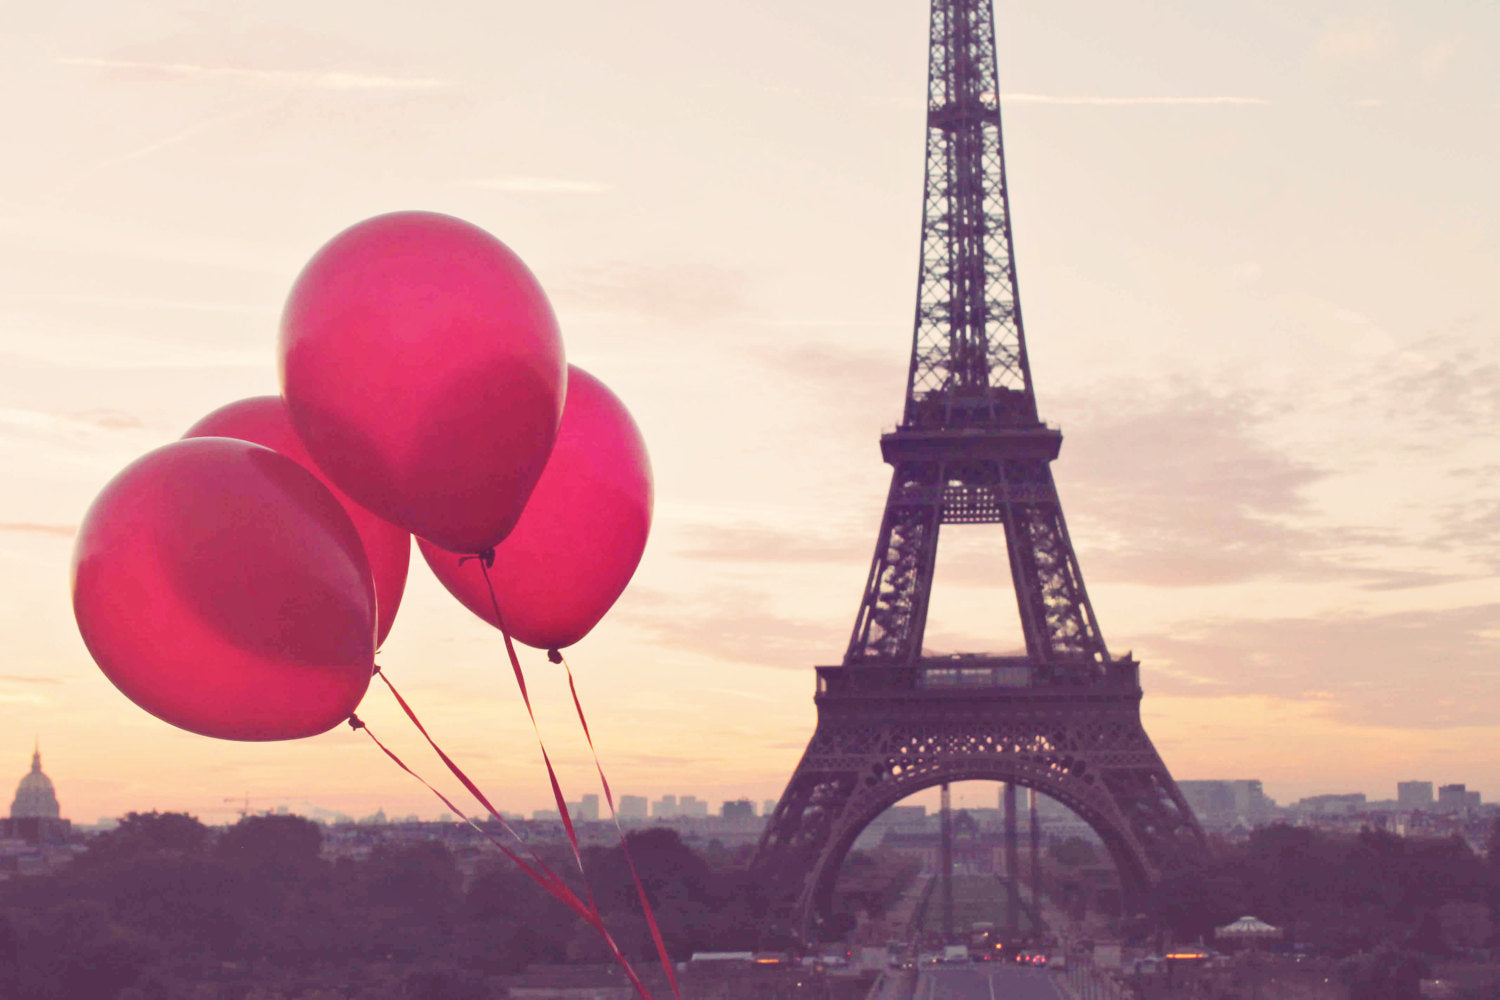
1257,249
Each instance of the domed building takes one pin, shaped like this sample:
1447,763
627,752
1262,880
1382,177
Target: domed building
35,816
35,797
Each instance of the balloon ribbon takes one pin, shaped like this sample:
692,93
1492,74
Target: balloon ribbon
541,873
486,560
661,948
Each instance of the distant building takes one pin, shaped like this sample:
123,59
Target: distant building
35,816
692,807
1414,794
768,807
664,807
1228,803
738,809
1337,805
633,807
588,808
546,816
1452,798
906,815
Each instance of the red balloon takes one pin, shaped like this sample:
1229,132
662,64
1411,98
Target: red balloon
582,535
263,420
423,370
222,588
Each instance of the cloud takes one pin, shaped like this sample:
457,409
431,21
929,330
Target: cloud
1355,41
535,185
121,352
17,679
1178,490
688,294
733,624
1101,101
1471,528
110,420
857,390
88,423
165,142
146,302
1440,384
1417,669
1186,485
1434,58
294,79
33,528
764,544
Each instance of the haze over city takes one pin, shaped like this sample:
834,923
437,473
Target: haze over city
1256,249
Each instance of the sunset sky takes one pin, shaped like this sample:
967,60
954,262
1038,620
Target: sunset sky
1258,255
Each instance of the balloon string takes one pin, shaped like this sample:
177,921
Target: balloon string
661,948
458,773
485,561
549,881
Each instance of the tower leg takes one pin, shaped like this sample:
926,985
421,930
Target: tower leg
945,822
1012,867
1036,860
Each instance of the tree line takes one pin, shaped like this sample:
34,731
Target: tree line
163,907
1388,907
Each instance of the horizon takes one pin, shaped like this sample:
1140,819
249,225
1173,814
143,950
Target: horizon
928,798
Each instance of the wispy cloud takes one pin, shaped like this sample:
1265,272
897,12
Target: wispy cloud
1362,40
762,544
145,302
1415,669
1101,101
687,293
18,679
535,185
734,624
315,79
179,136
35,528
110,420
83,422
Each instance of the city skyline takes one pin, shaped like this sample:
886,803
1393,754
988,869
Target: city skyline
1255,249
967,795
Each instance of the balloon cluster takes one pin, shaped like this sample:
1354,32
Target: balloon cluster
237,583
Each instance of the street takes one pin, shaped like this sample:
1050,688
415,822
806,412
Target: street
985,982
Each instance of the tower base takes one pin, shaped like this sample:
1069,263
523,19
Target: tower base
875,745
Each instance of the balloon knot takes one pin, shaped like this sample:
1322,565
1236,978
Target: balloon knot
355,723
554,656
487,557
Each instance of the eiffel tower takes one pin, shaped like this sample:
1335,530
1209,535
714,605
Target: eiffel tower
1063,719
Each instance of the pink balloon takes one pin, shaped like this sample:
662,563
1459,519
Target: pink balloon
423,370
582,535
263,420
222,588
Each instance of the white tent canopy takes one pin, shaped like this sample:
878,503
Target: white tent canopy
1247,929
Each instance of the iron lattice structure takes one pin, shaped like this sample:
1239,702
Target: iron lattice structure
1064,718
